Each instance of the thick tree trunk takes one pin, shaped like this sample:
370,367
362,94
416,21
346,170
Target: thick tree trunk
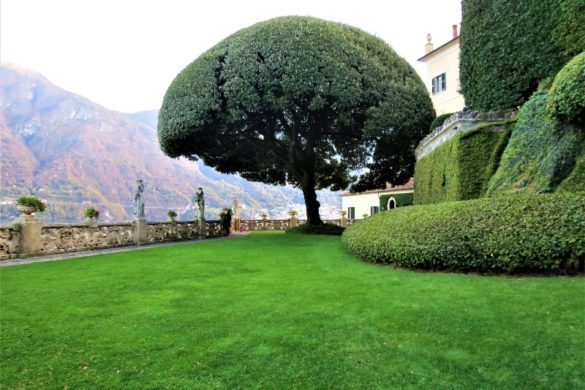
311,202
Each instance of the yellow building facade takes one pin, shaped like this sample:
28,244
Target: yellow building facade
442,79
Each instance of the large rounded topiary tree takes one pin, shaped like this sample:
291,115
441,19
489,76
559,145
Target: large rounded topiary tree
302,101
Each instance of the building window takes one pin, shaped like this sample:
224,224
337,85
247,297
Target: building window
351,213
439,83
374,210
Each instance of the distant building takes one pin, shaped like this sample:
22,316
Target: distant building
373,201
443,74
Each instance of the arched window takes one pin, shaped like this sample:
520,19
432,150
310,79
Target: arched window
391,204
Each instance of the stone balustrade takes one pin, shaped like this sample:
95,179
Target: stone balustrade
17,241
71,238
9,239
251,225
458,122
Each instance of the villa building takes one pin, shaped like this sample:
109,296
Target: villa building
358,205
442,79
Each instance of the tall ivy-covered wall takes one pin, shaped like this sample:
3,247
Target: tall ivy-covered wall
404,199
508,47
461,167
542,154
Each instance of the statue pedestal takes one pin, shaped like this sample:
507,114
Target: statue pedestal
235,225
140,231
202,227
30,235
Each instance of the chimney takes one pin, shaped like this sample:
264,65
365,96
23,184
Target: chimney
455,34
429,45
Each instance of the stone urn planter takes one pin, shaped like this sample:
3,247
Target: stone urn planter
91,222
91,216
26,210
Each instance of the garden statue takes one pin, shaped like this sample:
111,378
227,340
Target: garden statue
235,209
138,200
200,200
236,215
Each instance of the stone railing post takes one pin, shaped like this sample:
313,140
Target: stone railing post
140,231
293,222
30,235
235,225
343,221
202,227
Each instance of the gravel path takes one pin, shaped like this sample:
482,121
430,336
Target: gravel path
97,252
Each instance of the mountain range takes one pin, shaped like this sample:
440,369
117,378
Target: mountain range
74,153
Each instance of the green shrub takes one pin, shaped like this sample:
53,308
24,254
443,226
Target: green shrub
508,47
566,99
172,214
31,201
569,32
461,167
575,182
326,228
91,212
438,121
541,152
522,233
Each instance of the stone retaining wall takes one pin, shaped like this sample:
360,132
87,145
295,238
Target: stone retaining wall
249,225
9,238
71,238
63,238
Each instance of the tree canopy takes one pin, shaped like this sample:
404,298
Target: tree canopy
302,101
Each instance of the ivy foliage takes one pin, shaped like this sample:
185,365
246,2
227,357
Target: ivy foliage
302,101
522,233
566,98
541,153
438,121
507,47
461,167
404,199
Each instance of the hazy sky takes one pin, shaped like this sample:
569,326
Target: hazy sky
123,54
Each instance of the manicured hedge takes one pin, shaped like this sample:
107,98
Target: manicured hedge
522,233
405,199
566,98
326,228
541,153
461,167
575,182
508,47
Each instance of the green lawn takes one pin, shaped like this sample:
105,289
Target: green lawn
282,311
